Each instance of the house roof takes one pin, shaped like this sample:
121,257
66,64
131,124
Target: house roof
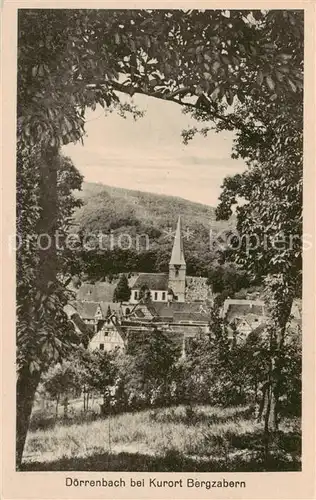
190,316
162,308
237,308
179,311
97,292
114,306
154,281
85,309
86,330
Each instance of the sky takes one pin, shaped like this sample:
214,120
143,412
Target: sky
149,155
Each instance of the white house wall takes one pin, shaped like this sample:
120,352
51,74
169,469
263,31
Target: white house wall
109,341
154,297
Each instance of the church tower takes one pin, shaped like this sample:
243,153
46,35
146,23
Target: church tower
177,267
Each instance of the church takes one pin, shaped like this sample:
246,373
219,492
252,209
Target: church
174,286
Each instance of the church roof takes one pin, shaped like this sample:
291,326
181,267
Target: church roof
177,255
154,281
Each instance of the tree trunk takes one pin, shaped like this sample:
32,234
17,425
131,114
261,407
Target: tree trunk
46,273
48,224
66,402
27,384
280,300
56,409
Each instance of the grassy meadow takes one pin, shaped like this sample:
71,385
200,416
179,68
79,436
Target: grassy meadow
199,438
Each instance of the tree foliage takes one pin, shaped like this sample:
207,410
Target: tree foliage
84,57
122,291
44,333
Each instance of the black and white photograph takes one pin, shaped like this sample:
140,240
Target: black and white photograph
159,241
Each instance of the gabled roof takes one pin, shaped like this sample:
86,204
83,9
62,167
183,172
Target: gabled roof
114,306
162,308
241,321
87,331
190,316
237,308
154,281
97,292
179,311
86,310
177,255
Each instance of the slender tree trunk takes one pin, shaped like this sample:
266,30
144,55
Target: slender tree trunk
267,426
280,309
255,388
66,407
46,274
57,402
48,224
27,384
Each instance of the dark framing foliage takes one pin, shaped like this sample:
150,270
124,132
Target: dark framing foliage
71,60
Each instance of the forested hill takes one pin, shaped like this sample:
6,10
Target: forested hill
107,208
122,211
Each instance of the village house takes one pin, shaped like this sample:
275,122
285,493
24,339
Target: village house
243,315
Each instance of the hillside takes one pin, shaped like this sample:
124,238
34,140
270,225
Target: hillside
141,225
104,206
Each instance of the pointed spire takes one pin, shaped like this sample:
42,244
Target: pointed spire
177,256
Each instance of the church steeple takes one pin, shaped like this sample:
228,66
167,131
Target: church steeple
177,255
177,266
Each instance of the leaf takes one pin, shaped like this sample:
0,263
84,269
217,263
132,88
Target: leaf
284,69
229,97
285,57
291,84
198,90
259,78
279,75
215,66
241,96
225,59
216,93
270,82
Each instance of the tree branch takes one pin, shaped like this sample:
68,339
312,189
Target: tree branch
209,110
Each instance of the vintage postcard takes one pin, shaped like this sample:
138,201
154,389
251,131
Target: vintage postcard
158,250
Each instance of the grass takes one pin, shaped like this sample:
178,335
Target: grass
168,439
